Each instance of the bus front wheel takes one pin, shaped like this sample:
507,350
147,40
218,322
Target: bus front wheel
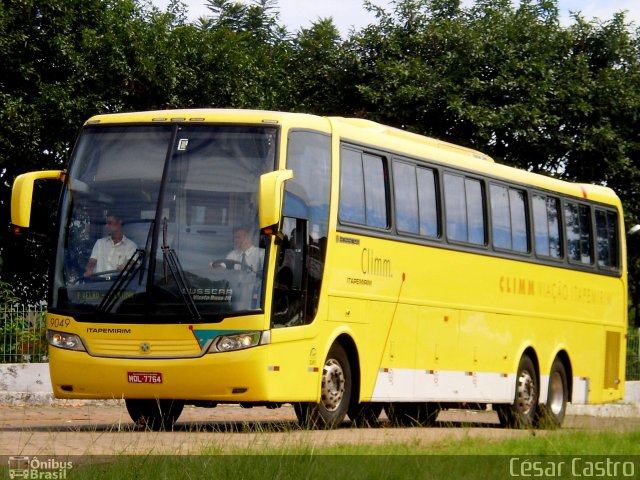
522,412
154,414
335,393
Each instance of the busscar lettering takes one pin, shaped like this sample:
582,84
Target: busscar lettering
123,331
347,240
211,294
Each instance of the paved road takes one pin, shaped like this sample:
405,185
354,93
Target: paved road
106,429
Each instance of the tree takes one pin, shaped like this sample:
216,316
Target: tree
62,62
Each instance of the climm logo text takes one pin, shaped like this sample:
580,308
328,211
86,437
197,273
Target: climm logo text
375,266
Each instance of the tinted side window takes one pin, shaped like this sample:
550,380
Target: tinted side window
375,191
607,239
416,199
518,208
578,230
546,226
363,192
428,202
352,206
464,209
500,217
406,197
509,218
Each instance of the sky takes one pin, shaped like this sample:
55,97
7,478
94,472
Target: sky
351,13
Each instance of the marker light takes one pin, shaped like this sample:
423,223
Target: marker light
68,341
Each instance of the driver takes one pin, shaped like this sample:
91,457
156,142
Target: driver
111,252
245,255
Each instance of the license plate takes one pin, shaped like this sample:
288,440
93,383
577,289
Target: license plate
144,377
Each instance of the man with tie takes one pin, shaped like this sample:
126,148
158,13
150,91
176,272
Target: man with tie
245,255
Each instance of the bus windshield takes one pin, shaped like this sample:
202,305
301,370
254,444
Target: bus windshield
161,222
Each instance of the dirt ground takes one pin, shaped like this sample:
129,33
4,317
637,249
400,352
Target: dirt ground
106,429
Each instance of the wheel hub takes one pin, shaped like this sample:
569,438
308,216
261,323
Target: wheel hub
526,393
333,383
555,401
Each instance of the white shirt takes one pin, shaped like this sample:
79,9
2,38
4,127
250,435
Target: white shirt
112,256
253,257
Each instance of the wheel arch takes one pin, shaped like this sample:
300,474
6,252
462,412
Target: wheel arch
531,353
347,342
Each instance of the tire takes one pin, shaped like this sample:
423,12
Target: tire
154,414
412,414
522,413
365,414
335,393
552,413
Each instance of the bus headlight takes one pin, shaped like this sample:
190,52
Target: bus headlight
237,341
68,341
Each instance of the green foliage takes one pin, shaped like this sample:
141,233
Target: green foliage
22,332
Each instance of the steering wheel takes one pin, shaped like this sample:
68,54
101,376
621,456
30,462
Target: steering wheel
105,276
231,265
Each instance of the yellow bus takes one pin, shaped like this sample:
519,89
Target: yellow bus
259,258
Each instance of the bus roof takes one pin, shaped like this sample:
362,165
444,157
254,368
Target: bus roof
373,128
375,135
430,149
204,115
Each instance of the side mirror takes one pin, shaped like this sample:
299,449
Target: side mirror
22,194
270,196
634,230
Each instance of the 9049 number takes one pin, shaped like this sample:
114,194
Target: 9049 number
57,322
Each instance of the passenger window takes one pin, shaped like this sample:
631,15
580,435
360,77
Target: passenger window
578,230
406,195
546,226
607,239
416,199
509,218
428,202
464,209
375,191
363,191
352,206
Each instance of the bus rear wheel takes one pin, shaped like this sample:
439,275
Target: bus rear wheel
412,414
335,393
523,411
552,413
154,414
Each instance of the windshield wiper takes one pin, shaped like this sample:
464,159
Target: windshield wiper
171,260
122,281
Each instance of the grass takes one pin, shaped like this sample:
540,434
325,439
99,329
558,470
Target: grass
559,454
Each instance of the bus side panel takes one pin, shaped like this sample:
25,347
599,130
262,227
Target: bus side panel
369,322
294,365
